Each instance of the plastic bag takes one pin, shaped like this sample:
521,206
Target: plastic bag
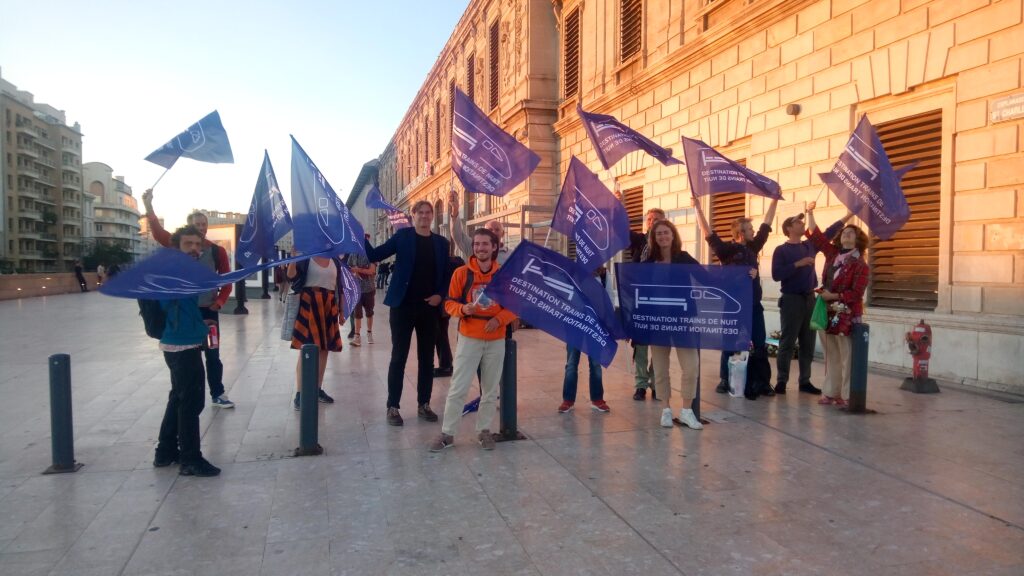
819,318
738,374
291,312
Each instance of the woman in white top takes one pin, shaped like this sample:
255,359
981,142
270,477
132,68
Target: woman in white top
317,282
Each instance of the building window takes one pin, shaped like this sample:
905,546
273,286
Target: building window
630,28
471,77
571,50
633,198
905,268
726,208
437,129
426,140
492,66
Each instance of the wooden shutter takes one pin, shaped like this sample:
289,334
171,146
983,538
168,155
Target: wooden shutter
437,129
630,39
471,77
726,208
571,51
905,268
493,66
634,201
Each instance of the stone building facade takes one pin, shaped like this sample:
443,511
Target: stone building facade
503,54
779,85
115,212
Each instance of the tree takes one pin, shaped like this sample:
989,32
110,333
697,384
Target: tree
104,253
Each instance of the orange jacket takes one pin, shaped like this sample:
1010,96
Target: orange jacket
473,326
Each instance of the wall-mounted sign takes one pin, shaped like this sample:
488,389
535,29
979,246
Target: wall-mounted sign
1008,108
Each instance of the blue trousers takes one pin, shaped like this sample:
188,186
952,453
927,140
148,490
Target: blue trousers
572,366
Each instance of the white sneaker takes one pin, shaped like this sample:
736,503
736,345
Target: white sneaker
369,337
686,416
666,418
356,341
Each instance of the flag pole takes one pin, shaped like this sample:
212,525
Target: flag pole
822,189
548,237
166,170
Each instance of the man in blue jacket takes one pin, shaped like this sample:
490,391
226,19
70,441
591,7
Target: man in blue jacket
415,291
182,343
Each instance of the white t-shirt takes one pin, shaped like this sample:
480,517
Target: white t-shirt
322,276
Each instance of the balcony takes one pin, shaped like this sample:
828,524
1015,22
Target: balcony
44,143
26,128
31,255
70,147
29,172
28,193
69,201
48,237
28,151
46,162
30,214
70,186
72,168
29,234
48,200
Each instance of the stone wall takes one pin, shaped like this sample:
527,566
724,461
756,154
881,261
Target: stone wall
13,286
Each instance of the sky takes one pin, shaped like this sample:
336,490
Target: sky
338,75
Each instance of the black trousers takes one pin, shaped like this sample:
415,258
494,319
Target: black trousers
795,315
421,318
214,367
179,431
444,345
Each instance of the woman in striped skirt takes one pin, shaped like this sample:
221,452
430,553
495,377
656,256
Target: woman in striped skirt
317,282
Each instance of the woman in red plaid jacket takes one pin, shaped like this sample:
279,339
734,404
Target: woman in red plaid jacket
843,284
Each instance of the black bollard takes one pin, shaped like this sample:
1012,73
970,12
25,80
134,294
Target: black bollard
266,285
507,391
308,416
62,434
240,298
859,339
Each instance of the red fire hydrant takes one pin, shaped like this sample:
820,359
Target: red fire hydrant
919,340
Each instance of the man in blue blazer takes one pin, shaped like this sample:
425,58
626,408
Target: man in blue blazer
417,289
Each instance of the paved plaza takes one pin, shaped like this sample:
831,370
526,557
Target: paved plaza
930,485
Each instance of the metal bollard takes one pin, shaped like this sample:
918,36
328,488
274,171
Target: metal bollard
308,416
62,434
859,339
240,298
507,391
265,279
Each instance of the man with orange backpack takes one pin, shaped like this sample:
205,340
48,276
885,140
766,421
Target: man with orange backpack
481,341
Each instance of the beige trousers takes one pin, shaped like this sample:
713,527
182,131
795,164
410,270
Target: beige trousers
489,355
688,359
838,350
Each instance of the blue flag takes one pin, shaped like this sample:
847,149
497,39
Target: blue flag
612,140
554,294
397,218
485,158
864,180
686,305
170,274
350,291
205,141
591,215
267,222
322,221
712,173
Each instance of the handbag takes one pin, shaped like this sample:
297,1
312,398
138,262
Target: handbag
819,317
291,312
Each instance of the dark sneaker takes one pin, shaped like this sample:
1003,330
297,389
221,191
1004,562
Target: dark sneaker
443,441
486,439
723,387
295,402
640,394
162,461
323,398
394,418
443,372
780,388
222,401
426,413
200,468
810,389
768,391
